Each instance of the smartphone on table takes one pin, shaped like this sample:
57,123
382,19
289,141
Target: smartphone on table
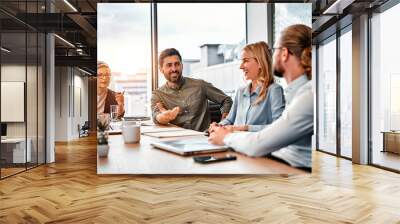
213,158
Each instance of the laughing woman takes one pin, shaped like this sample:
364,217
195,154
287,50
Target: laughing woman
259,103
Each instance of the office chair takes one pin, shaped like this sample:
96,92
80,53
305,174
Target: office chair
84,130
215,111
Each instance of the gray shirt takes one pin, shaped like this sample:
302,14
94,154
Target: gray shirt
192,97
289,137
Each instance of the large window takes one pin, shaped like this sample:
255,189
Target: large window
385,84
209,37
346,93
331,135
124,43
289,14
327,95
286,14
210,45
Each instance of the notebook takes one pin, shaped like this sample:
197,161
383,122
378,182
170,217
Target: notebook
189,146
165,129
179,132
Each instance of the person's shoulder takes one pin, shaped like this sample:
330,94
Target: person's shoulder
306,92
162,88
194,81
275,86
307,87
110,92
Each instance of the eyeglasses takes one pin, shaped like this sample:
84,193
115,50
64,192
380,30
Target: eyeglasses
103,76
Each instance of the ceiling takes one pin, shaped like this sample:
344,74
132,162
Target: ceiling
332,15
76,25
76,22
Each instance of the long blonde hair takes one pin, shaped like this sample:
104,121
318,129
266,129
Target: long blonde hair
260,51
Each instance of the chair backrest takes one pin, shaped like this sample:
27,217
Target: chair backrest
215,111
86,126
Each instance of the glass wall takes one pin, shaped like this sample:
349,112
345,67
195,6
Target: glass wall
124,43
210,45
31,96
22,93
385,89
13,84
327,95
346,92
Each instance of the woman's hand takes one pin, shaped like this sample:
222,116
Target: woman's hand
119,97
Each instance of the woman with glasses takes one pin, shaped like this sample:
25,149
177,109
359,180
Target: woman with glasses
259,103
106,97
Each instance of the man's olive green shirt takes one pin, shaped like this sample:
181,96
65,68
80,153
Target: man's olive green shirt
192,97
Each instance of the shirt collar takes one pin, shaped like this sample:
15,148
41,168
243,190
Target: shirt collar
247,91
179,86
296,84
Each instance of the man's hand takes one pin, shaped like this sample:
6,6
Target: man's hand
218,135
160,107
119,97
167,115
213,125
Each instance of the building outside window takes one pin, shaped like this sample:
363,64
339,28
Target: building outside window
210,45
124,43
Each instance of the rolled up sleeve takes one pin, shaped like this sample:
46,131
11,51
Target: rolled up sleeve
296,121
154,110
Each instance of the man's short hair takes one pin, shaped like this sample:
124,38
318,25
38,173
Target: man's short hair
167,53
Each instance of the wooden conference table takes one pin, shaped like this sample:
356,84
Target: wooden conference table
142,158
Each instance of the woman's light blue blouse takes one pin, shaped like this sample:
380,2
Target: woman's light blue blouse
256,116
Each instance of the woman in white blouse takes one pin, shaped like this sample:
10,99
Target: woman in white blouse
289,137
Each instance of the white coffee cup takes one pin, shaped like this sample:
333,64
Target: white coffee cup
131,132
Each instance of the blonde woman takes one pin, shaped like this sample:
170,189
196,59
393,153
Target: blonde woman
259,103
288,139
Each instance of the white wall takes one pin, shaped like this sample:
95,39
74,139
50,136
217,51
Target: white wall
12,73
71,94
33,127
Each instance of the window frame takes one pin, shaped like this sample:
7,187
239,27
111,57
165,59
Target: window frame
333,36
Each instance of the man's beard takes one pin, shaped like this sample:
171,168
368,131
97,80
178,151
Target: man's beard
277,71
176,80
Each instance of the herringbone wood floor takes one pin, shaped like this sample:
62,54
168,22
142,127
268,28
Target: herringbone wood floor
69,191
